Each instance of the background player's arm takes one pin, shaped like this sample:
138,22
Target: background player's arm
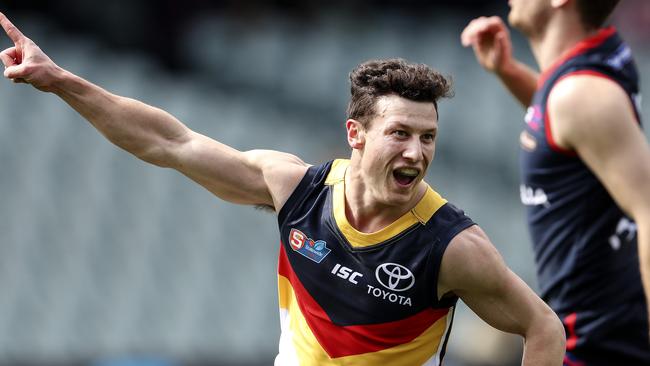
474,271
490,40
602,128
153,135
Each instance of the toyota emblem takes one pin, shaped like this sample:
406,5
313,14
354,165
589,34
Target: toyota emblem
395,277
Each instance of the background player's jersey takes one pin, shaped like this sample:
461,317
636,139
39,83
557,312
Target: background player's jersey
585,246
351,298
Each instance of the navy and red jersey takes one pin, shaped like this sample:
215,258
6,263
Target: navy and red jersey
353,298
585,246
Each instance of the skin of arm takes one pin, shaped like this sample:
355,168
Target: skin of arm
490,40
254,177
473,270
594,117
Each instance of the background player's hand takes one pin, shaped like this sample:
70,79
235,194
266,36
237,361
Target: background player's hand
25,62
490,40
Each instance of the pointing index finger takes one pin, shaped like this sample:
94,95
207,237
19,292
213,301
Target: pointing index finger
14,34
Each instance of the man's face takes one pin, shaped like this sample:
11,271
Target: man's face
529,16
399,146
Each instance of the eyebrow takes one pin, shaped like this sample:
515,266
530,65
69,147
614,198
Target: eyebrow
407,127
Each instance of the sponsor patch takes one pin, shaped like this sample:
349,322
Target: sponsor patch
534,117
533,196
395,277
527,141
316,250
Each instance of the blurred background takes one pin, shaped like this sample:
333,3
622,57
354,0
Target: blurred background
108,261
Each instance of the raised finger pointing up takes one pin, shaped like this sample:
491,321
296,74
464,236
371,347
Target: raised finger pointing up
12,31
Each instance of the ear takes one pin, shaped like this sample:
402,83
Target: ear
356,134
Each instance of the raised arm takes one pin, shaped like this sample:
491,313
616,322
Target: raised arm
473,270
490,40
604,131
255,177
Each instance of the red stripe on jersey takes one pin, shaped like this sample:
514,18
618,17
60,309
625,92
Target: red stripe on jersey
340,341
570,323
551,140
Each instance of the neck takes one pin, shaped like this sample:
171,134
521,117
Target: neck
367,214
559,36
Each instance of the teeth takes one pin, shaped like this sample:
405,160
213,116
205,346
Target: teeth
410,172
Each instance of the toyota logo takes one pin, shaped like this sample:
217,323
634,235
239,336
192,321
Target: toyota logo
395,277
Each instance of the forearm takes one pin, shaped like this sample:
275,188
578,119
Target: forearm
134,126
545,345
520,80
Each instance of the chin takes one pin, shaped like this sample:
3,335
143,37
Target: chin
513,20
518,24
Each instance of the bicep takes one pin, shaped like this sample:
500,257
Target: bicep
256,177
475,272
623,166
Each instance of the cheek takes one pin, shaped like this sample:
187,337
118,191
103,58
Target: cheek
372,157
386,149
429,153
379,158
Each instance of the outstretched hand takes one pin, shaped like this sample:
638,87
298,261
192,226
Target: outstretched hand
490,40
25,62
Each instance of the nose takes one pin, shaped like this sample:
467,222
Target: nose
413,150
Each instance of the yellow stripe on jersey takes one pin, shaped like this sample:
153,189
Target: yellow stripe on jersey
422,212
303,345
337,171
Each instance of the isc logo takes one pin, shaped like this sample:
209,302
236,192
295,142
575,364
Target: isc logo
346,273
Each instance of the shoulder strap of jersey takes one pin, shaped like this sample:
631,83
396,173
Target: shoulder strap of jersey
314,177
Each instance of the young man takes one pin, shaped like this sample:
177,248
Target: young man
585,170
372,260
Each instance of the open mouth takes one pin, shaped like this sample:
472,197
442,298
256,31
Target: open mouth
405,176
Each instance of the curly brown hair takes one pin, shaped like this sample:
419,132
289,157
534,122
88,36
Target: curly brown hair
594,13
376,78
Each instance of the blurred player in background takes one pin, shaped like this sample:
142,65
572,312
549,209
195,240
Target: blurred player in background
372,260
585,171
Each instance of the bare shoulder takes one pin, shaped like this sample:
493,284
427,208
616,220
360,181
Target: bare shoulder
473,249
470,261
582,107
586,90
281,171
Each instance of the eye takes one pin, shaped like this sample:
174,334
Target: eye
400,133
429,137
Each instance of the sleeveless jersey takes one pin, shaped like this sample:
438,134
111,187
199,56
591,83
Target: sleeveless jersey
585,246
351,298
